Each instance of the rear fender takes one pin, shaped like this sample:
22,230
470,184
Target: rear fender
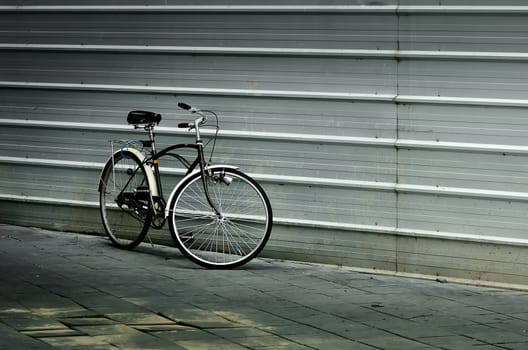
148,171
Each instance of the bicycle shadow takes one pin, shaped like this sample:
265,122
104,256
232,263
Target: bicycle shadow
173,255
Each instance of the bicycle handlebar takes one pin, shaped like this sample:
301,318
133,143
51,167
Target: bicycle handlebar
183,105
197,122
191,109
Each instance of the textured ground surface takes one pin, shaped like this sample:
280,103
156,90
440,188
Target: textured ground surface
69,291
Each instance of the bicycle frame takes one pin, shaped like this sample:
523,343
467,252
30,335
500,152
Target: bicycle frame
154,157
153,173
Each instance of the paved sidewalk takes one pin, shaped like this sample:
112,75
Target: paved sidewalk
70,291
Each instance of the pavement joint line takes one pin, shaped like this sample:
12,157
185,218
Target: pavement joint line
483,341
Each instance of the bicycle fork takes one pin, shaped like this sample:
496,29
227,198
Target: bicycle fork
205,174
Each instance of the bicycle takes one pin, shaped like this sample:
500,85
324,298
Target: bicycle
218,216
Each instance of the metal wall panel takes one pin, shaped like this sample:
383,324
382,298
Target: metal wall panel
490,127
203,28
367,123
484,79
328,75
474,32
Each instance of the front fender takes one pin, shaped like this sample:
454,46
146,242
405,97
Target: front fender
173,193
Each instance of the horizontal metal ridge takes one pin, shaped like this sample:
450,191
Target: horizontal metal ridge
47,200
273,51
461,146
288,137
200,91
295,137
51,162
461,192
56,163
401,231
163,130
307,223
452,100
456,9
461,55
498,9
203,50
204,8
322,95
396,187
304,180
65,125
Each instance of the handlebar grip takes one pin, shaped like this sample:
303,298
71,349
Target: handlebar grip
184,106
184,125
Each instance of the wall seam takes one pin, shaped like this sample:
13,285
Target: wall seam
397,150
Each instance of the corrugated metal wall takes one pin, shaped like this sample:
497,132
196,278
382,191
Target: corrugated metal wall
389,135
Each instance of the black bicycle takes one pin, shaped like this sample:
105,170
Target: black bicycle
218,216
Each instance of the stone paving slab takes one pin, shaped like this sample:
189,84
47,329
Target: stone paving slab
71,291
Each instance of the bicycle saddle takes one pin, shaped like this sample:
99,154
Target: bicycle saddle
143,117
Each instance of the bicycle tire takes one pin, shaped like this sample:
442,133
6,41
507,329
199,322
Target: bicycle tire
226,241
124,200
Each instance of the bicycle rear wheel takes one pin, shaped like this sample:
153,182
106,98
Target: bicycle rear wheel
124,199
229,239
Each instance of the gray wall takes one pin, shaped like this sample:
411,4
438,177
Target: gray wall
390,136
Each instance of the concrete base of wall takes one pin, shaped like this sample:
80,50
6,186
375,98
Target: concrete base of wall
463,261
436,258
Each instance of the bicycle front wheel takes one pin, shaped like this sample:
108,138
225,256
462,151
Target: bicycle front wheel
226,239
124,199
